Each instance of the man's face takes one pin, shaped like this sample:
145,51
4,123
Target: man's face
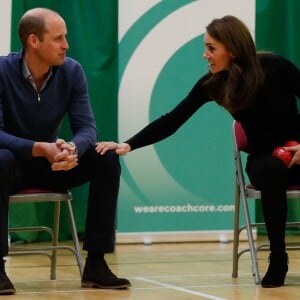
51,50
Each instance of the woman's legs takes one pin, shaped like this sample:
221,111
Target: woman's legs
270,176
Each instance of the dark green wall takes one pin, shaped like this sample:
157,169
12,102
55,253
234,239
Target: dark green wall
277,30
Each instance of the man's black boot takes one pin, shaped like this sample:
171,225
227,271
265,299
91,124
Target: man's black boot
97,274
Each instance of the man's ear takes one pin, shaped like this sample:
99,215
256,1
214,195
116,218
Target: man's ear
33,40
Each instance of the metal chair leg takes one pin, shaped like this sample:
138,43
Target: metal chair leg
252,249
75,238
236,232
56,225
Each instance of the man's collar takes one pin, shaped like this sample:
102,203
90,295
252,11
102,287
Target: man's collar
27,74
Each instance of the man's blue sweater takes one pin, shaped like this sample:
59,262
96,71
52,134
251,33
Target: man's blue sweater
27,116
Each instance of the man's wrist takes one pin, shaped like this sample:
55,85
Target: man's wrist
38,149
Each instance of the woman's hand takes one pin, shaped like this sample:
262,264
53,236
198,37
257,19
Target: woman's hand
295,150
121,149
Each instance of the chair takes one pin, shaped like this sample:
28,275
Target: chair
244,192
37,195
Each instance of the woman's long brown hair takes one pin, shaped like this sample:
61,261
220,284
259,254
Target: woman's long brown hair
235,88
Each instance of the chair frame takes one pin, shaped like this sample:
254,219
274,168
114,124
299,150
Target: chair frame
34,196
244,192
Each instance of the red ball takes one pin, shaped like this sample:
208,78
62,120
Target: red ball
291,143
284,155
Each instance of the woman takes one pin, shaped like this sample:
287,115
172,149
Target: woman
259,90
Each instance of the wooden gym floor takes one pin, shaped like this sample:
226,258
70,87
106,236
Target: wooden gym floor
173,271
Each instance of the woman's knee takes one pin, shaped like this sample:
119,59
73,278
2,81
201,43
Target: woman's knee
268,171
274,168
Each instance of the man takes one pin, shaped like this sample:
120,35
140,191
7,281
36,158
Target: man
38,87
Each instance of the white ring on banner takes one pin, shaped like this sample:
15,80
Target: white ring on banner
141,73
127,17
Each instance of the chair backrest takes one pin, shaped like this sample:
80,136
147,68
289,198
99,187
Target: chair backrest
240,137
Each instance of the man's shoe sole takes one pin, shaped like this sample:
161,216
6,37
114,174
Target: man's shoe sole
87,284
7,292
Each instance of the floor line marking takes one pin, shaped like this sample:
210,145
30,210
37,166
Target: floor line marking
169,286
